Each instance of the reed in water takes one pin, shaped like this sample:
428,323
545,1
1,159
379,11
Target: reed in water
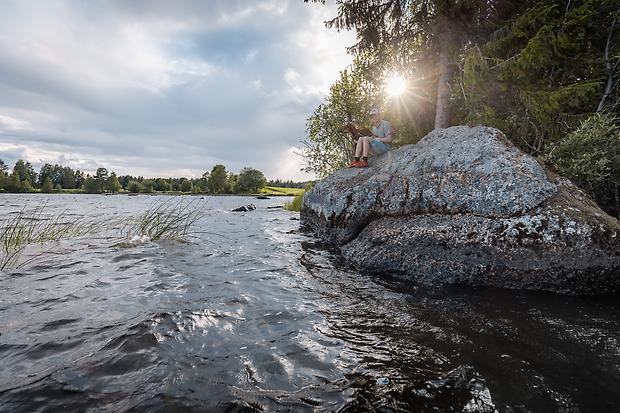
169,219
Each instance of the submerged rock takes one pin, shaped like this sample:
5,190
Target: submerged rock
465,206
245,208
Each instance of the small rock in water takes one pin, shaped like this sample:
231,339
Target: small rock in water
383,381
262,197
245,208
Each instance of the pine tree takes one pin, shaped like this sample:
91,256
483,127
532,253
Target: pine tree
542,74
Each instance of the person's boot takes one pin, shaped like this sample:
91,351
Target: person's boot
354,164
362,164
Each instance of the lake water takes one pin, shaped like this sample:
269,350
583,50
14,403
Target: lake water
255,315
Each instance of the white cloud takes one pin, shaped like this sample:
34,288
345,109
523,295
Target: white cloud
163,88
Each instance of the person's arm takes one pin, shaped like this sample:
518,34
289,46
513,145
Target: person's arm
388,136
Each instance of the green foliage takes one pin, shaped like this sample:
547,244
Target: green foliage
92,185
586,155
541,75
327,146
148,186
232,182
47,186
186,186
60,175
250,181
134,187
162,185
218,180
69,178
24,171
202,185
112,184
13,183
25,186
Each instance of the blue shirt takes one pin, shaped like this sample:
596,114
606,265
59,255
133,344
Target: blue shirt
382,130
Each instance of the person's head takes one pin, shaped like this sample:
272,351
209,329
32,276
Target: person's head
375,115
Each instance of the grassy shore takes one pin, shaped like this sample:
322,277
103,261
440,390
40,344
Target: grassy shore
276,191
267,191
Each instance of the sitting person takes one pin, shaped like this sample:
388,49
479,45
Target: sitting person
378,143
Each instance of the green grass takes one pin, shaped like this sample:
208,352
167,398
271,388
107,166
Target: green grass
276,191
170,219
295,204
34,226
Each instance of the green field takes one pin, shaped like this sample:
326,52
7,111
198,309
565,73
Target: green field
275,191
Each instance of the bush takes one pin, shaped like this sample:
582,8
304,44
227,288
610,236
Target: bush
186,186
92,186
589,157
148,186
586,155
134,187
25,186
47,186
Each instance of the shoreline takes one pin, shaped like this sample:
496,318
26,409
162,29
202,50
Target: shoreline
171,193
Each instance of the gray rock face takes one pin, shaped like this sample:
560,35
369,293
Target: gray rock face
465,206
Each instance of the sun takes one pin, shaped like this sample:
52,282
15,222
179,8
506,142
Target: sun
395,85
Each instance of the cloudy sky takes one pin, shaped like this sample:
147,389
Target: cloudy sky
163,88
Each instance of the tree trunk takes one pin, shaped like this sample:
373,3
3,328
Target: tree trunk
442,115
609,68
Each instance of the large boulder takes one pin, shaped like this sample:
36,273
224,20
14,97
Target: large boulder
465,206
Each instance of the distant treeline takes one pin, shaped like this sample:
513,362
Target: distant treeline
57,178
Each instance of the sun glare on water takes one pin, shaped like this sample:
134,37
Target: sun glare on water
395,85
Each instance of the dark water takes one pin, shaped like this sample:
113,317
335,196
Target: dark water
253,315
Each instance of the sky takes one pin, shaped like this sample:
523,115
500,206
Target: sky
164,88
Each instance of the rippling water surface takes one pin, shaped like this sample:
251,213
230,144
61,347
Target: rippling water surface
254,315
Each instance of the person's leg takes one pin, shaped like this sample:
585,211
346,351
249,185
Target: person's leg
358,152
366,148
359,147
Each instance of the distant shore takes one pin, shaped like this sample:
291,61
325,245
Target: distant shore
268,192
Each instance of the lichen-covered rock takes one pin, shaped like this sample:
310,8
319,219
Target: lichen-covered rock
465,206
